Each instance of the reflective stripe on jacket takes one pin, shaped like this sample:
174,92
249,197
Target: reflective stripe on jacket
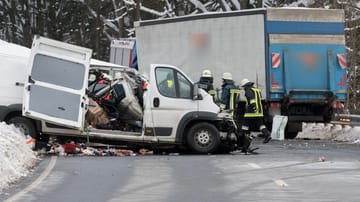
234,94
253,102
211,92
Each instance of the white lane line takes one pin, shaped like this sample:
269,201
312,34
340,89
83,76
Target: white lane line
278,182
281,183
254,165
33,185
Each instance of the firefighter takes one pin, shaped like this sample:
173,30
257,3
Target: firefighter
227,85
206,82
254,110
167,86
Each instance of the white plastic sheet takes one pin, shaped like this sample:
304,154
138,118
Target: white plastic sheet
278,127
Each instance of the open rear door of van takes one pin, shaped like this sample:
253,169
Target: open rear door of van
57,82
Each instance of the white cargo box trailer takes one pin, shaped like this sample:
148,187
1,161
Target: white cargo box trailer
222,42
121,51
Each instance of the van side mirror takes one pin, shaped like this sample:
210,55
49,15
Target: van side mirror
196,94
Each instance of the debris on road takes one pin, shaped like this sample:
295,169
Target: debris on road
70,148
123,152
322,158
146,152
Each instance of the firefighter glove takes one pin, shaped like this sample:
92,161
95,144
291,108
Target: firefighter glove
222,107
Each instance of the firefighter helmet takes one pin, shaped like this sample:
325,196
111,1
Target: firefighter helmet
227,76
206,73
244,82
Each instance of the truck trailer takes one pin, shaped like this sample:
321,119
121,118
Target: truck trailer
296,56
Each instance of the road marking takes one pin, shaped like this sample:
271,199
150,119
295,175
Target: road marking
33,185
281,183
254,165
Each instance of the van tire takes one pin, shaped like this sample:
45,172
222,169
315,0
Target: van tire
203,138
24,124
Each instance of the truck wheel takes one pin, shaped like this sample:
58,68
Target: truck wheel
203,138
292,129
25,125
290,135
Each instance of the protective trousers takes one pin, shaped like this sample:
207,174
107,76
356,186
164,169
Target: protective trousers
243,141
256,122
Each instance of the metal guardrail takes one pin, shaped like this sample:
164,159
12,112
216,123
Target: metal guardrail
347,119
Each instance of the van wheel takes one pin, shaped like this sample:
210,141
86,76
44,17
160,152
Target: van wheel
25,125
203,138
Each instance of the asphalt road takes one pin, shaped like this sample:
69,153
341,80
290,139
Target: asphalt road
295,170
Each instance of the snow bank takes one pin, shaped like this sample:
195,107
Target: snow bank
16,156
330,132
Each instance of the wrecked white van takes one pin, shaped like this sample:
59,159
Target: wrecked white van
175,111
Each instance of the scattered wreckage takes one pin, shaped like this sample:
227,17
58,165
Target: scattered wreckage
70,148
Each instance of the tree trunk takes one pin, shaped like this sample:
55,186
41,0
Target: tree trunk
221,5
12,16
137,13
244,4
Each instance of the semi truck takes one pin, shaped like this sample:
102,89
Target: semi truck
296,56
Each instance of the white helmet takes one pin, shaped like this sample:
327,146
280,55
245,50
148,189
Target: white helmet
206,73
227,76
244,82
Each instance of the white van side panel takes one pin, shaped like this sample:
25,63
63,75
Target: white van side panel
13,67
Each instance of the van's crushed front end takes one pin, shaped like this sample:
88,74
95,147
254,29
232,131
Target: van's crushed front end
231,135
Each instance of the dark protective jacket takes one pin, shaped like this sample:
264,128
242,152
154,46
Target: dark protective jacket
225,94
206,83
253,102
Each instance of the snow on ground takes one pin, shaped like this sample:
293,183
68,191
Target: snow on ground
330,132
305,3
16,157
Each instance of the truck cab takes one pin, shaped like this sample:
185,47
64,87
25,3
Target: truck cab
175,110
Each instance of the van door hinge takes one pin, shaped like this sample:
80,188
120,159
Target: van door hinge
28,88
19,84
30,80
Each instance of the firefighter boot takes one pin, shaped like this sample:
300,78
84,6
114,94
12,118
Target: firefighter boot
267,136
243,142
